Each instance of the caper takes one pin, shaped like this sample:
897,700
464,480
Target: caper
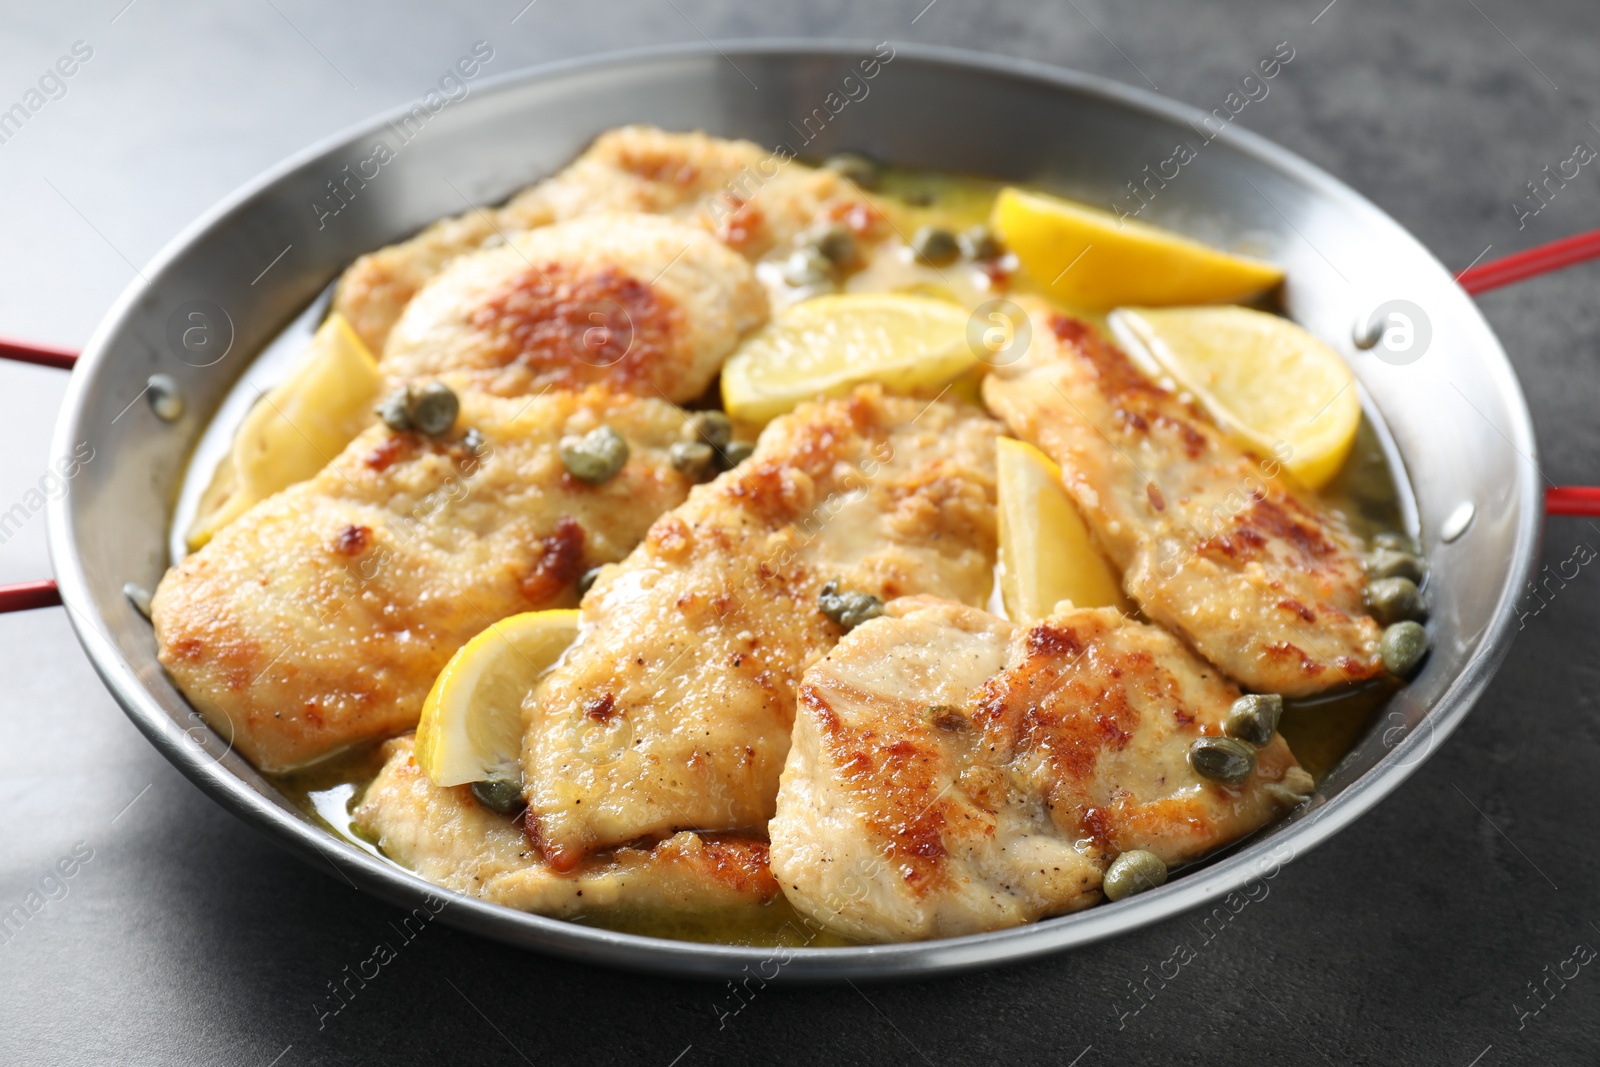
434,408
596,456
807,267
500,795
733,455
857,168
474,440
1394,599
693,458
849,610
1402,647
980,243
1387,563
712,427
1254,718
837,245
935,246
1394,542
1222,759
1133,872
395,410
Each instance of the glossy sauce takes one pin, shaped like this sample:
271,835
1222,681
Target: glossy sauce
1320,731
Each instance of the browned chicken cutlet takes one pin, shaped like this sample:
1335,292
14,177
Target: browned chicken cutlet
448,837
673,708
321,616
638,303
747,196
953,773
1213,541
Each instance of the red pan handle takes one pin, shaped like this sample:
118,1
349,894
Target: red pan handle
25,595
1541,259
42,355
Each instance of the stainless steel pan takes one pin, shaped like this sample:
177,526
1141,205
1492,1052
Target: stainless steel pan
1455,411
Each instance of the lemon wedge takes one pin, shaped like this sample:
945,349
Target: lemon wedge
1266,381
1092,259
1046,554
295,429
471,726
826,345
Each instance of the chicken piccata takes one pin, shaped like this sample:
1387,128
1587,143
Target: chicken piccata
793,686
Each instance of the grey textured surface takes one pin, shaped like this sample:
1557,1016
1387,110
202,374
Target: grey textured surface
1412,938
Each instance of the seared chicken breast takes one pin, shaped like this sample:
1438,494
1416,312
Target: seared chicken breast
953,773
321,616
673,708
1213,541
747,196
445,835
639,303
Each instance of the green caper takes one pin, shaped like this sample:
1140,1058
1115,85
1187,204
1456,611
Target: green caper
980,243
434,408
1394,542
596,456
1394,599
1222,759
1402,647
395,410
1253,718
1387,563
587,579
849,610
1133,872
712,427
734,454
935,246
807,268
500,795
694,458
857,168
837,245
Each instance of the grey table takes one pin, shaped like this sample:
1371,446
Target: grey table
1432,932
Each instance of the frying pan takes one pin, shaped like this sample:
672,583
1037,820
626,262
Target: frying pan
1455,416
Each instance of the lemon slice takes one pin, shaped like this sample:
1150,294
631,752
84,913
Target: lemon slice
824,346
471,725
1091,259
1265,380
1046,555
295,429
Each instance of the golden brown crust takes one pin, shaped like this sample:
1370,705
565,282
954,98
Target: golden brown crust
321,616
748,197
446,836
953,773
1213,541
694,645
637,303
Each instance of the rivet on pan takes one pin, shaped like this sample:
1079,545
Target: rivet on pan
139,597
1456,523
165,400
1366,333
